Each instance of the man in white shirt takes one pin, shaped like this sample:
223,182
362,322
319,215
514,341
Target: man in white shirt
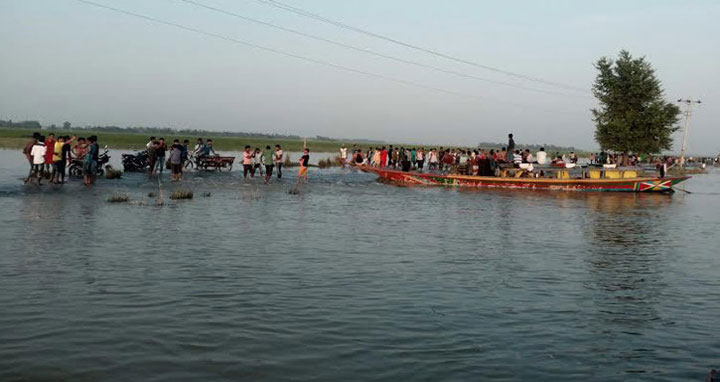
343,155
541,156
38,157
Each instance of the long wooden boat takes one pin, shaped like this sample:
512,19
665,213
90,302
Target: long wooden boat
634,184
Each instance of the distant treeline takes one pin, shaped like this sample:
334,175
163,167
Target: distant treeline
21,125
145,130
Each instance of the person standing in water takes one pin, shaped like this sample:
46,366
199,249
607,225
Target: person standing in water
278,159
57,156
343,155
161,149
268,158
49,152
90,166
37,153
258,161
248,163
152,157
27,152
66,156
304,162
176,154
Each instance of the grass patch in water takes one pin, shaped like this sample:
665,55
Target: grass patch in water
181,194
329,162
118,198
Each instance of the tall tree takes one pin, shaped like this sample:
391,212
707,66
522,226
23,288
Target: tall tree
633,115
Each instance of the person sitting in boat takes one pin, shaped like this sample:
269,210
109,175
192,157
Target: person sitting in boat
541,156
502,156
573,157
517,158
558,161
529,157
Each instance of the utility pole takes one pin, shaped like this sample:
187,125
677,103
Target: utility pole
688,112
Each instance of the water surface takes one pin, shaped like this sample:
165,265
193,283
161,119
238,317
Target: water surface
354,280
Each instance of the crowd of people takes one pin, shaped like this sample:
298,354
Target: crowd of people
264,162
476,161
49,156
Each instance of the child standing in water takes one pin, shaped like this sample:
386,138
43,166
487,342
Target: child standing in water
304,162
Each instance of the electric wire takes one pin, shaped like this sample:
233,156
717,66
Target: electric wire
316,61
374,53
339,24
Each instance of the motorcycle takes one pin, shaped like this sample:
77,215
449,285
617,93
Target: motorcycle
75,169
135,162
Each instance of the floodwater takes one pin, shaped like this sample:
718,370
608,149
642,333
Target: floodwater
354,280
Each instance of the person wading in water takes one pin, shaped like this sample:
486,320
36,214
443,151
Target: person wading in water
268,158
304,162
278,159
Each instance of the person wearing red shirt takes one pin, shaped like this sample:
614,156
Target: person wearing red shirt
49,142
383,157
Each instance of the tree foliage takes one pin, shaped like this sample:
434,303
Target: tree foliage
633,115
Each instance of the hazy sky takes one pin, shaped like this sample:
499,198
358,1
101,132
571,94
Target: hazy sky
65,60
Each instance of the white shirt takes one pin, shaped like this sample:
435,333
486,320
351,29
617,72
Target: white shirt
541,157
38,153
278,156
343,153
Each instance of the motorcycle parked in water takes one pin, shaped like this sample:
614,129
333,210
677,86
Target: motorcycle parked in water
135,162
75,169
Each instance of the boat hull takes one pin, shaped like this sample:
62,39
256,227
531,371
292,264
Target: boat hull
643,184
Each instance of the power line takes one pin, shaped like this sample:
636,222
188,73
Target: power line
374,53
312,60
339,24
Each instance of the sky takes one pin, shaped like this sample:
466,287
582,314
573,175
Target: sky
65,60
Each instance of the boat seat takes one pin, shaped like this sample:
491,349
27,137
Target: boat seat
630,174
613,174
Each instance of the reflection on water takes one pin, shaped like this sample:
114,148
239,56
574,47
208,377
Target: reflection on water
353,279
